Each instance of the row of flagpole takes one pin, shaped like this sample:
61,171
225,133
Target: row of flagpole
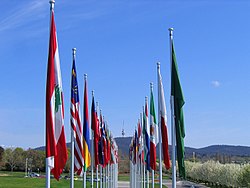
158,134
102,153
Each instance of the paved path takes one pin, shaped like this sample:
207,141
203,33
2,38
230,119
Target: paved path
181,184
123,184
168,183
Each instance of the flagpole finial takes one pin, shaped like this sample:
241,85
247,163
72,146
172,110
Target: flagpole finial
52,4
151,85
85,76
158,65
74,51
171,31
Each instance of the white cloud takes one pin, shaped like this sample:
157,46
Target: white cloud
216,83
22,15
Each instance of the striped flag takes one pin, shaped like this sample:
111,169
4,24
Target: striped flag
86,131
56,150
95,129
153,132
146,135
75,121
163,121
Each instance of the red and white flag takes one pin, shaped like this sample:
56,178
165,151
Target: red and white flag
56,150
163,121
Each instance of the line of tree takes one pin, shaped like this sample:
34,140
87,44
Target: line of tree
17,159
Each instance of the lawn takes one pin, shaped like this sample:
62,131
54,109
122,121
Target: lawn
17,180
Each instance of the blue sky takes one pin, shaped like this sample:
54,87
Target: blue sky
118,45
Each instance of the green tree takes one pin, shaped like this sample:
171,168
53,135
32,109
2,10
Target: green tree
14,158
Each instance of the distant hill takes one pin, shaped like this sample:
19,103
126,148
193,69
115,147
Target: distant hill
123,145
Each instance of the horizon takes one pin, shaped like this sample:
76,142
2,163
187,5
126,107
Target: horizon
118,45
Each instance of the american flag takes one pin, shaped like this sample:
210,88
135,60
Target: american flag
76,122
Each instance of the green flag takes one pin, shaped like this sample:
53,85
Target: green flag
176,92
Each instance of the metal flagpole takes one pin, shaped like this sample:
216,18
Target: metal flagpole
72,143
52,4
147,179
96,176
159,127
97,106
146,100
144,145
153,178
152,172
100,176
172,118
92,154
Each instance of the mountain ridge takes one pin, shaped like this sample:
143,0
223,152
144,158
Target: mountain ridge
223,149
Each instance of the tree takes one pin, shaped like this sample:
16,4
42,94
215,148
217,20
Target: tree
14,158
35,159
1,157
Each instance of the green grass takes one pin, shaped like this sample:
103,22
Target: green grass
17,180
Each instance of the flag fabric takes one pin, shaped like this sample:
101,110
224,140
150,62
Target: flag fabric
140,143
56,150
153,132
163,121
75,121
114,150
146,134
95,129
102,145
86,131
176,92
108,145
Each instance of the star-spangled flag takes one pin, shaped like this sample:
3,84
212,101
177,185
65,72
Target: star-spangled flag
56,150
75,121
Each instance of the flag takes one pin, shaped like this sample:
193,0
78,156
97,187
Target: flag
146,134
86,128
114,150
102,144
140,143
176,92
56,150
108,145
95,129
163,121
153,132
75,121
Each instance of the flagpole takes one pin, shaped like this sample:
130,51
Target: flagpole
52,4
72,142
172,118
159,128
144,144
97,166
92,153
84,172
146,106
152,173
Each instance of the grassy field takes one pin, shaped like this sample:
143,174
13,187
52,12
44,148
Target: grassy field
17,180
